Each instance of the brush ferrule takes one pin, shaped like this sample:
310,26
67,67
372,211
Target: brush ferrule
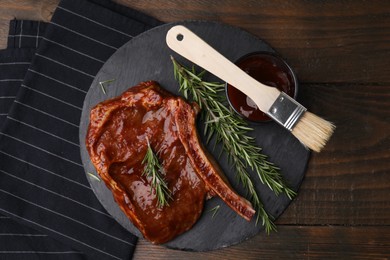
286,111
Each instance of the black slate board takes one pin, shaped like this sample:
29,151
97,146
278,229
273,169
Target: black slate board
146,57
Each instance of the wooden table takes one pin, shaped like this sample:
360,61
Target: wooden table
340,51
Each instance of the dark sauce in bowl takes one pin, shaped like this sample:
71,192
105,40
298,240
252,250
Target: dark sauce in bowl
268,69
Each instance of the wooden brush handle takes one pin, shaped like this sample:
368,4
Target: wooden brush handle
189,45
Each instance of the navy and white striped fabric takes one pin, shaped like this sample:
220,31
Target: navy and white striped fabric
25,34
23,39
18,241
13,66
42,181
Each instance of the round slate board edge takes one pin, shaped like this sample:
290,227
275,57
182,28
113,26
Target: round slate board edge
99,188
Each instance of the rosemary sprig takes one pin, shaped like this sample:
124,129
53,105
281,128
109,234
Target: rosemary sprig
231,130
153,169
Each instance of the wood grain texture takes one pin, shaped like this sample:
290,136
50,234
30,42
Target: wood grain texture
23,9
298,242
340,51
324,41
349,182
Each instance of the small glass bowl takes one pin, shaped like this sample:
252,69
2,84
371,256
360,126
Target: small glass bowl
269,69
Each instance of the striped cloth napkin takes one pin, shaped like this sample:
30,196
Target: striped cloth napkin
42,181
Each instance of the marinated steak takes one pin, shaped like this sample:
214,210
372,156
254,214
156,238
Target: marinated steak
117,141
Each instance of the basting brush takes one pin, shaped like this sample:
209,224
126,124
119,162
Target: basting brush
310,129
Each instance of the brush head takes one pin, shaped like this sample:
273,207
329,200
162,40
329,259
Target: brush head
313,131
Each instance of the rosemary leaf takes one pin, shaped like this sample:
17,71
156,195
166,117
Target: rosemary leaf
154,170
231,131
214,210
103,83
93,176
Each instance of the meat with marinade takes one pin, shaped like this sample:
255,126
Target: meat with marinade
117,141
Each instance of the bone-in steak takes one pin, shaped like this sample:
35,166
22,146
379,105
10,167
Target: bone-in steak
117,143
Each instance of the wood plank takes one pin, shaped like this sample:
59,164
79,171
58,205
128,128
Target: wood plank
335,191
349,182
303,242
23,9
311,35
344,44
